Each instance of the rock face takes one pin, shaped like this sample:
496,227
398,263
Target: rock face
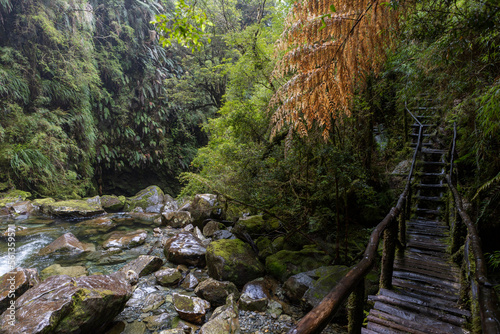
216,292
121,239
177,219
233,260
224,320
112,203
66,243
168,277
57,269
143,265
146,200
185,248
192,309
73,209
15,283
286,263
62,304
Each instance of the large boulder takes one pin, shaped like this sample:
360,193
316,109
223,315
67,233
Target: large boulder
13,284
192,309
124,239
256,294
233,260
224,320
66,243
146,200
327,278
285,263
62,304
185,248
76,208
112,203
10,198
296,286
216,292
176,219
202,207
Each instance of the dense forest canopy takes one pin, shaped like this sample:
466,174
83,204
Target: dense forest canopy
272,106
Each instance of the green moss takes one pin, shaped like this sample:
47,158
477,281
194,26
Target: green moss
13,196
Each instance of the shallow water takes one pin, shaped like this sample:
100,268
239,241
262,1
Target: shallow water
42,231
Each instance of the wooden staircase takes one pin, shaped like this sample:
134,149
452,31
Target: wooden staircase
426,284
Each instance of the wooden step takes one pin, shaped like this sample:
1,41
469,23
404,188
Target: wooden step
430,198
380,329
430,174
450,294
431,185
436,282
433,151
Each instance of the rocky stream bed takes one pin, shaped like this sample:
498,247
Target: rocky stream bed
146,264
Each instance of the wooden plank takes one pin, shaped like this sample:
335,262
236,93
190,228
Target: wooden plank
438,300
437,282
433,303
393,325
367,331
383,329
427,290
426,271
418,322
428,311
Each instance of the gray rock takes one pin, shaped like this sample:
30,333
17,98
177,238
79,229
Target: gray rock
66,243
168,277
177,219
216,292
185,248
143,265
224,320
255,296
192,309
295,286
73,209
190,282
331,276
148,200
210,228
122,239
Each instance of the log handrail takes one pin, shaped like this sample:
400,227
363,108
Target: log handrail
319,317
488,304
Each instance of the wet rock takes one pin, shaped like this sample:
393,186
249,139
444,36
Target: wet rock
216,292
223,234
255,295
152,302
233,260
73,209
16,282
143,265
210,228
296,285
256,225
66,243
192,309
274,308
285,263
40,205
190,282
62,304
176,219
112,203
136,327
146,217
185,248
173,331
148,200
168,277
224,320
97,225
161,321
329,277
56,269
22,208
203,207
10,198
123,239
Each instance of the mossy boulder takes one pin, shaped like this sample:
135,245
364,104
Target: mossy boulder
57,269
10,198
233,260
112,203
203,206
192,309
146,200
328,278
285,263
257,225
62,304
76,208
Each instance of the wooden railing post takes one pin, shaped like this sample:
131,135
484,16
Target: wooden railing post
388,255
355,306
402,227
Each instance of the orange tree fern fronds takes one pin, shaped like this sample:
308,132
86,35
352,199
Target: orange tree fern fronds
328,56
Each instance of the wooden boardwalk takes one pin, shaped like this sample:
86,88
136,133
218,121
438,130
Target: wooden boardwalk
426,284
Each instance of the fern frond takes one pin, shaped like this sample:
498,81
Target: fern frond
487,185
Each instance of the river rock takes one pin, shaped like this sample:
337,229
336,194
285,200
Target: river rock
112,203
233,260
296,285
10,198
62,304
168,276
22,208
210,228
73,208
143,265
57,269
203,207
192,309
13,284
223,234
256,294
216,292
190,282
123,239
177,219
147,200
286,263
256,225
160,321
66,243
97,225
185,248
224,320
